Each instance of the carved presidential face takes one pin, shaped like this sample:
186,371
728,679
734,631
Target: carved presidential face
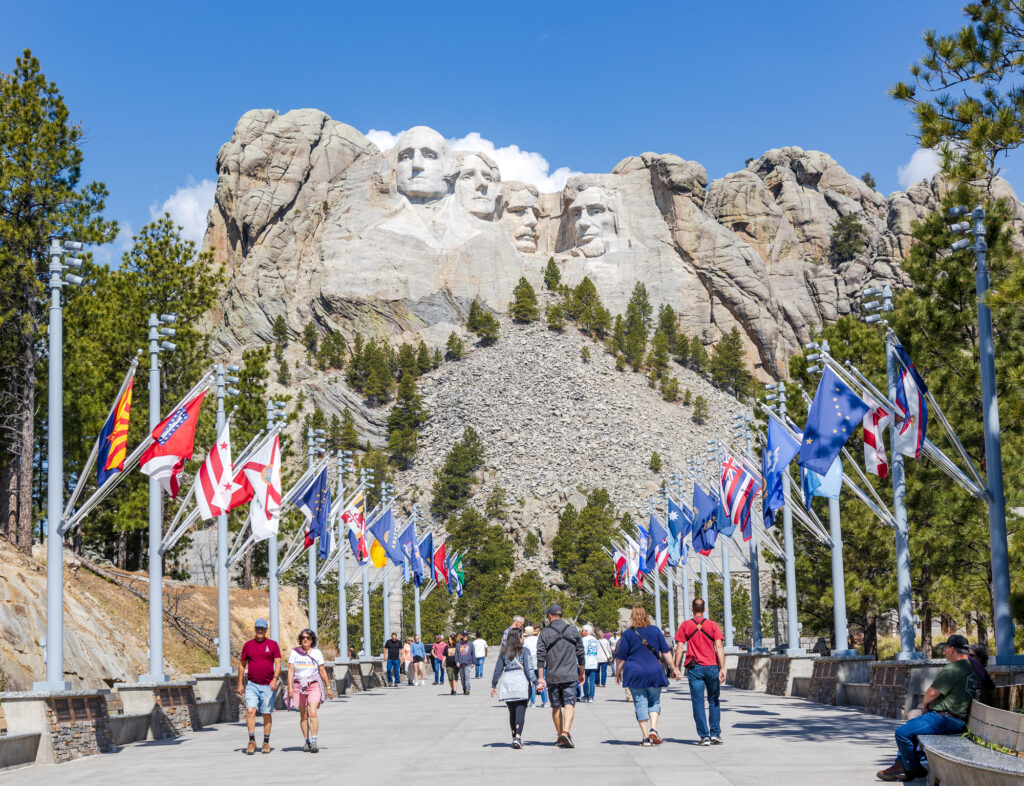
424,166
519,216
593,220
476,188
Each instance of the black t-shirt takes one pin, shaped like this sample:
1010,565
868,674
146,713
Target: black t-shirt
394,649
449,655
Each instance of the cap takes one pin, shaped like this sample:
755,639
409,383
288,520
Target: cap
464,633
555,610
958,642
261,622
529,631
438,636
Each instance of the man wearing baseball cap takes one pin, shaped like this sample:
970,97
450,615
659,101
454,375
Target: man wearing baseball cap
560,668
944,710
263,657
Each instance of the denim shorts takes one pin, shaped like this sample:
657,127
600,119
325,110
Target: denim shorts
259,697
562,694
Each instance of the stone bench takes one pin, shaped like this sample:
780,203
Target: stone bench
17,750
209,712
857,693
131,728
955,760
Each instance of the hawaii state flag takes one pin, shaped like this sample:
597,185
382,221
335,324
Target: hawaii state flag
214,489
739,488
113,439
173,440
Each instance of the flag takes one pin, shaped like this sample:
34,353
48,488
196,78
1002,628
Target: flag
705,531
353,517
315,503
441,565
912,407
680,523
407,544
775,457
263,476
875,423
827,485
831,420
739,488
659,539
618,562
385,544
421,558
632,567
173,440
456,576
643,547
448,573
214,486
113,439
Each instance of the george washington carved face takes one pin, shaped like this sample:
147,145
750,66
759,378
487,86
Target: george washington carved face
425,166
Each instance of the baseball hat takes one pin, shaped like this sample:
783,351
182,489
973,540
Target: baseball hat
261,622
555,610
438,636
464,633
957,642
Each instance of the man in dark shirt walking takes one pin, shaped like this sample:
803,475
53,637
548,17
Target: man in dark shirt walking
263,657
393,647
560,660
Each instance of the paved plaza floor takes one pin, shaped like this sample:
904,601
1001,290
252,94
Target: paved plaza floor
423,732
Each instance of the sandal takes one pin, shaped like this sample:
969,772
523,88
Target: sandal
645,743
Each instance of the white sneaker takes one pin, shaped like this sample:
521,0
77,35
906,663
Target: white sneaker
705,741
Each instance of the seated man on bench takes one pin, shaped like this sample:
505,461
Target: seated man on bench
944,710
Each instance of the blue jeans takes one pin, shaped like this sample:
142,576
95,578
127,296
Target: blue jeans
392,671
589,683
703,678
543,695
602,674
438,671
479,668
646,701
929,723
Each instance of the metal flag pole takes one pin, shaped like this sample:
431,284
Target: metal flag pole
668,576
274,410
345,465
715,453
366,478
385,497
741,424
655,589
223,666
314,442
416,510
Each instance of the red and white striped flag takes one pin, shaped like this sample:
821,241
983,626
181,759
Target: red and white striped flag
875,422
213,492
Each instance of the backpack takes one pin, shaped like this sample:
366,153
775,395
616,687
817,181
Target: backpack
513,686
698,627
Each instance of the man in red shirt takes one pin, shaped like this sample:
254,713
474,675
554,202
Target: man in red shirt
702,641
263,657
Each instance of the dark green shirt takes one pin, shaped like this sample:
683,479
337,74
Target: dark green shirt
957,683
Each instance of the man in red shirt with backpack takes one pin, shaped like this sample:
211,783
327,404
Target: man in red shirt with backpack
702,641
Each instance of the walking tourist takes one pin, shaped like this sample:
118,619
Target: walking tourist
407,661
307,680
419,654
703,643
604,654
560,668
517,622
513,682
263,658
438,653
451,665
465,659
641,652
944,710
590,653
530,645
613,642
393,648
480,654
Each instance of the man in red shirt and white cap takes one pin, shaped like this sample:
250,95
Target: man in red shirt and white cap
702,641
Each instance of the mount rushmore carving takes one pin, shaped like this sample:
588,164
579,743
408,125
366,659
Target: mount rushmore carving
312,221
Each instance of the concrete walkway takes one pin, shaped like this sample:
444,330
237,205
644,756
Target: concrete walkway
423,732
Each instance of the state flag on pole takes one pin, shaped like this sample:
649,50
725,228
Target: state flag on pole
213,491
385,543
633,557
739,488
831,420
775,458
659,539
315,503
875,423
353,517
263,475
910,402
173,440
421,562
441,565
619,561
113,439
458,578
705,531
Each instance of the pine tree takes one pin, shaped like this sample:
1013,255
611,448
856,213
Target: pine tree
455,347
688,397
552,276
407,363
355,372
476,312
280,330
596,319
423,360
284,374
402,446
620,362
309,341
496,506
349,436
487,330
379,381
454,479
848,240
700,409
641,301
655,463
585,354
869,181
555,315
437,358
408,411
619,333
698,355
523,307
669,388
667,324
658,357
728,364
332,350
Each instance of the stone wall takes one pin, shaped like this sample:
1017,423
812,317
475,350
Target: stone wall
778,677
894,683
176,710
831,675
79,726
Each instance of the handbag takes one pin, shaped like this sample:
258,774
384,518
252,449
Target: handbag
513,686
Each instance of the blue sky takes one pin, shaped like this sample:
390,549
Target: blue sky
159,87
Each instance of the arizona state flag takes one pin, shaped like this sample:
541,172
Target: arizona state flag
114,437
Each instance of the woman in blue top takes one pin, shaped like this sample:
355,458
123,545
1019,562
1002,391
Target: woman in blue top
639,657
419,653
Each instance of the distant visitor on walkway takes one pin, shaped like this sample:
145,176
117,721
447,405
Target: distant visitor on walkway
262,658
560,670
703,644
640,655
514,681
307,681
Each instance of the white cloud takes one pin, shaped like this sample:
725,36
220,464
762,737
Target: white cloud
110,254
513,162
188,207
921,166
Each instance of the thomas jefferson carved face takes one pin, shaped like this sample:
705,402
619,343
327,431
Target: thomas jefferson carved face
424,166
593,220
519,215
477,186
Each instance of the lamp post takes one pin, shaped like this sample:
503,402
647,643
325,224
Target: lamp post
157,328
792,624
223,666
314,445
275,413
54,642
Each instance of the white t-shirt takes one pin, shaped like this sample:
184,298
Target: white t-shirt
479,648
589,652
530,644
306,666
604,651
613,642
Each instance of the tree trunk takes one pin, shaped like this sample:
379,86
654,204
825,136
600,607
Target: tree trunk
982,630
7,516
26,454
925,612
121,559
871,635
247,570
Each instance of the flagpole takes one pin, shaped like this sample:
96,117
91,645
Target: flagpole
313,437
273,589
756,630
223,666
344,464
367,481
416,589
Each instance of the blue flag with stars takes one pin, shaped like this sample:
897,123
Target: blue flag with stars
775,457
705,527
315,502
680,521
834,414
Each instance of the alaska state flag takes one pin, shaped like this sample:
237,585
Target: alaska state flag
775,457
113,439
705,531
834,414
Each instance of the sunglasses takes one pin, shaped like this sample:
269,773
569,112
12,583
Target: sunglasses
305,638
260,630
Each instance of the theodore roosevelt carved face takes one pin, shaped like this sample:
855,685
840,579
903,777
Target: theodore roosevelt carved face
594,222
425,166
519,215
476,188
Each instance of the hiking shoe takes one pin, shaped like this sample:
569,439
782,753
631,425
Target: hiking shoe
654,737
894,773
716,740
517,743
568,740
266,747
249,751
314,748
705,741
645,743
560,742
306,747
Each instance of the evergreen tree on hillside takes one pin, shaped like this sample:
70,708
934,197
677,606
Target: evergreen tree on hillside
700,409
332,351
641,302
349,436
698,355
280,330
408,411
659,357
667,324
552,276
423,359
728,364
848,240
455,347
407,361
309,341
487,331
454,479
523,307
355,371
555,315
476,312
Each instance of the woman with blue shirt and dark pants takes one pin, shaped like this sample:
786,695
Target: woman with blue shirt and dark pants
639,656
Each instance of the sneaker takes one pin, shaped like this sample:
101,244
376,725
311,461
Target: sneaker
654,737
543,705
306,747
894,773
716,740
313,748
249,751
568,740
453,691
517,743
705,741
465,693
266,747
